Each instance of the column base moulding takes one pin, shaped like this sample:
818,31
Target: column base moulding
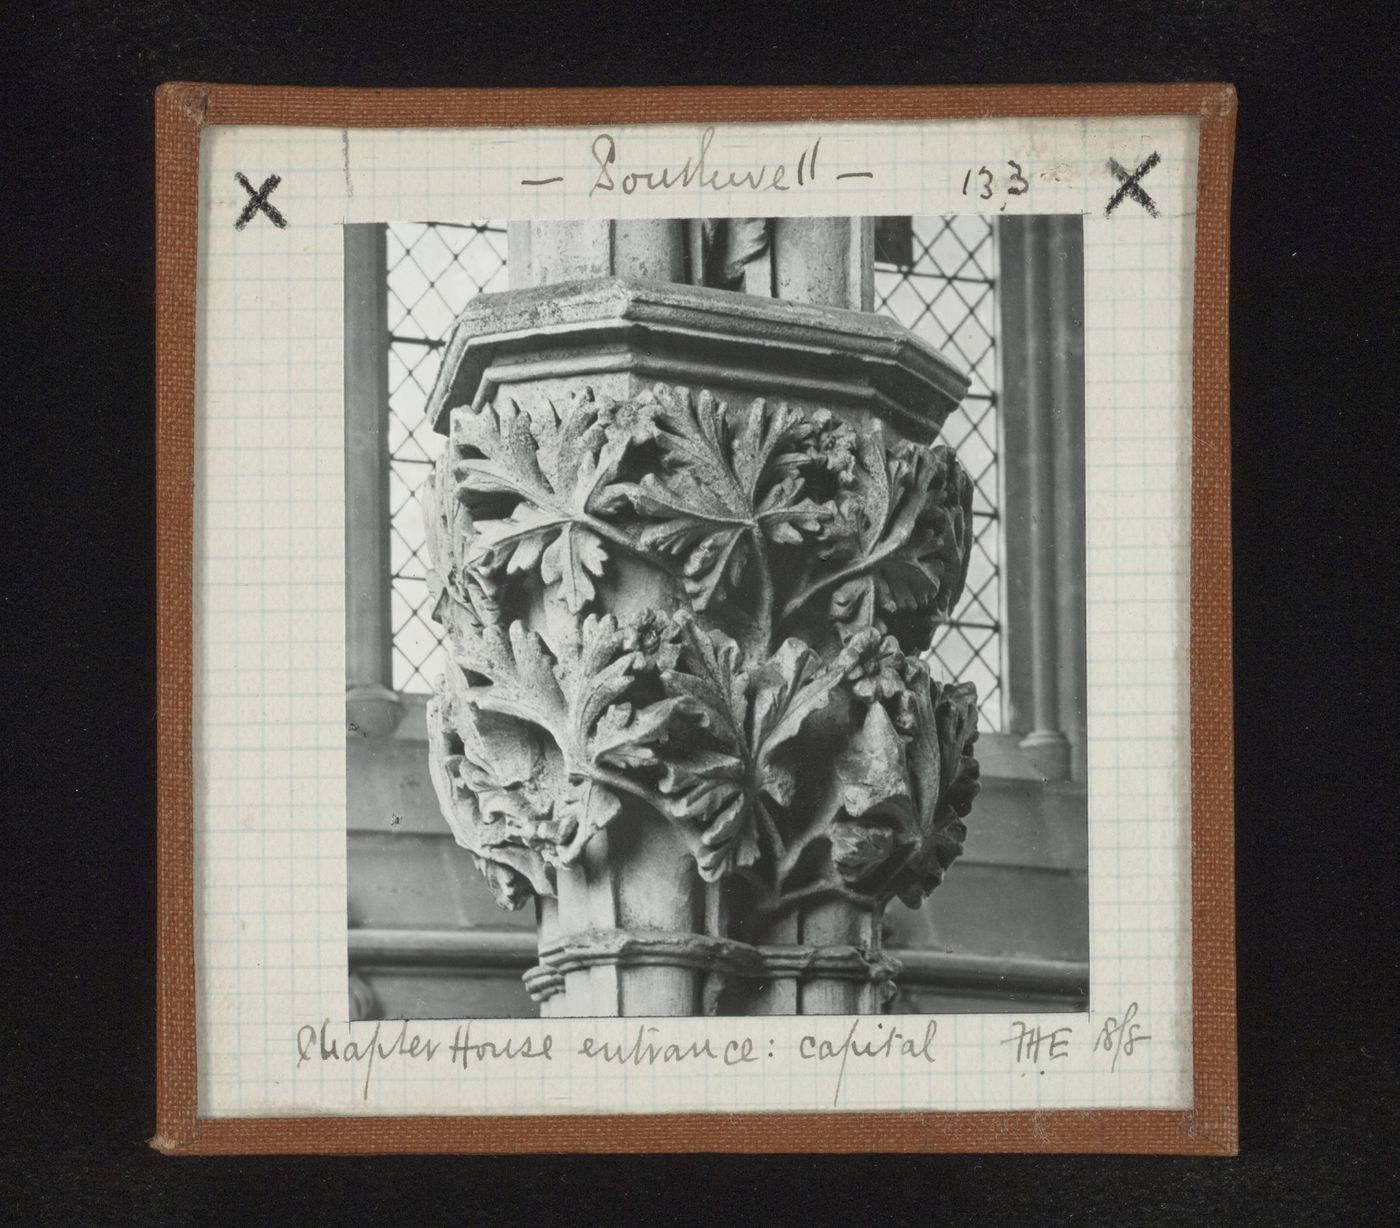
723,956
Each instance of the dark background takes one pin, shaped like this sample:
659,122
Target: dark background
1314,387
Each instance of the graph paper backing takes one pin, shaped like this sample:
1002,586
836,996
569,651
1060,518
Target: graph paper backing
269,613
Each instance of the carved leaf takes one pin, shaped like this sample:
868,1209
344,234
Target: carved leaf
517,676
602,736
707,789
943,774
609,738
534,485
719,793
625,737
727,486
492,781
713,678
908,523
792,686
447,529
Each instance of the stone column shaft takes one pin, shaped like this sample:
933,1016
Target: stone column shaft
1041,294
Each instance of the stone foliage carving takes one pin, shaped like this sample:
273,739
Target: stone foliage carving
714,613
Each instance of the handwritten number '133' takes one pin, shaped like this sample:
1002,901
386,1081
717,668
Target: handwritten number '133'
1017,186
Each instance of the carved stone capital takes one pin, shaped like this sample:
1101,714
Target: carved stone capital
675,606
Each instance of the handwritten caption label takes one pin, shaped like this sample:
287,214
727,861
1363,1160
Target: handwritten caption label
614,168
700,170
1036,1047
893,1043
645,1046
1120,1037
982,183
870,1044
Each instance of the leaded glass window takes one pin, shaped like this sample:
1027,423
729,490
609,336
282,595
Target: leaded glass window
937,277
434,270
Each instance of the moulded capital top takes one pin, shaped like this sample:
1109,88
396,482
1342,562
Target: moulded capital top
694,335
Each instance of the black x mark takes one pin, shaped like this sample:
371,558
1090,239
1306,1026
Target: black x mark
1130,185
258,203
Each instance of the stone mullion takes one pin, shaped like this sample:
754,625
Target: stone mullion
1043,458
1065,238
372,705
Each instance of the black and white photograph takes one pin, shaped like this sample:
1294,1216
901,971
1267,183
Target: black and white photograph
715,617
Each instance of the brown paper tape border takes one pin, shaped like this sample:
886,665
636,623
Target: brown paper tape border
1209,1128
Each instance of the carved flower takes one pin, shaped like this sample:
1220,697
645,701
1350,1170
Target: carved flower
833,446
915,673
905,715
652,637
631,422
875,666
